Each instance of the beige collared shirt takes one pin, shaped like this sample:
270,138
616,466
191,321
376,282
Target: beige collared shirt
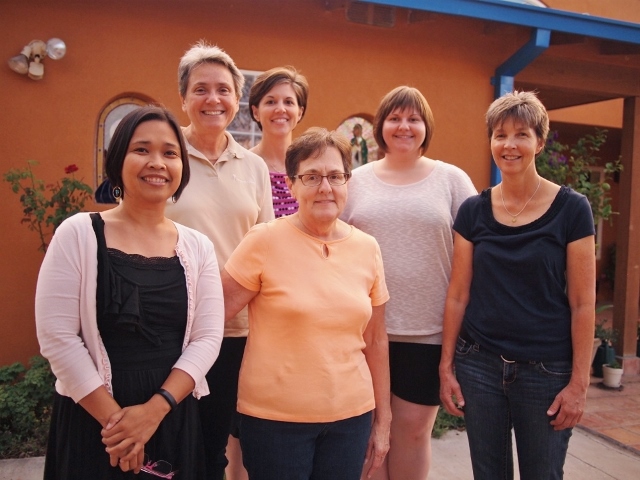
223,201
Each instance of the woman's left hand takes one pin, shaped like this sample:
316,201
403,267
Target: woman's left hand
128,431
376,353
569,407
378,445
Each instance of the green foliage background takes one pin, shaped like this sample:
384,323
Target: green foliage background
571,166
26,396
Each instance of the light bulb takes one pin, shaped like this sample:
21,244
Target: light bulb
56,48
19,64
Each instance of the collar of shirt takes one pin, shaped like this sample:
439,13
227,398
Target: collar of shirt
232,151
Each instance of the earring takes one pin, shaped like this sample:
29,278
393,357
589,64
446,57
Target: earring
117,193
174,199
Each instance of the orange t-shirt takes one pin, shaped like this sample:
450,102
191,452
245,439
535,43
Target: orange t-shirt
304,359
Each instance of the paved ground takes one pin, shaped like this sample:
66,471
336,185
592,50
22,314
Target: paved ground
590,457
613,413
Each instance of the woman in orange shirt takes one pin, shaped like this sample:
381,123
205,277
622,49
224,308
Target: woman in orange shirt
316,361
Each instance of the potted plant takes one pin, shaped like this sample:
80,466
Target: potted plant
605,353
612,374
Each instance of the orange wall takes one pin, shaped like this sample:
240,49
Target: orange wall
604,114
123,46
625,10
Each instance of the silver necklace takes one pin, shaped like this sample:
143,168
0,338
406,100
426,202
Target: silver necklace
274,169
514,218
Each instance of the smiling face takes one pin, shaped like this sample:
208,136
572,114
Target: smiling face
404,131
278,111
325,202
152,167
210,101
514,146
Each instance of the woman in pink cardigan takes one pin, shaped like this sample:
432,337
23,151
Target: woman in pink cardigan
129,312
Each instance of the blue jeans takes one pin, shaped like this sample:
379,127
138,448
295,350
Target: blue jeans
500,395
273,450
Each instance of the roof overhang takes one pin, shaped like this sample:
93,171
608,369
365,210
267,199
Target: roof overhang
606,64
527,16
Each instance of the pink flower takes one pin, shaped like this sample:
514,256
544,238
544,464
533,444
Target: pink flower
71,168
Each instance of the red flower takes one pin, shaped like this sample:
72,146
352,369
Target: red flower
71,168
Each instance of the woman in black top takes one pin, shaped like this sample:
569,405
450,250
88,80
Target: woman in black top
129,313
519,314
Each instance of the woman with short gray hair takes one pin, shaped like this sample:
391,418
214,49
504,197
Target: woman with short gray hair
229,193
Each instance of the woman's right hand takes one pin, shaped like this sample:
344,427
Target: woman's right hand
450,392
128,431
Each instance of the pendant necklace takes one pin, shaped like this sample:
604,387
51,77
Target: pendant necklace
273,169
514,218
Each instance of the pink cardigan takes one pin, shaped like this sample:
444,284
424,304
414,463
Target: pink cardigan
66,322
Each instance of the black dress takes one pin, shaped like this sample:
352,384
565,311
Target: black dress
142,317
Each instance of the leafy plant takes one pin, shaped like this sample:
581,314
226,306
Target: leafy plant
571,166
26,396
45,206
615,364
445,422
608,335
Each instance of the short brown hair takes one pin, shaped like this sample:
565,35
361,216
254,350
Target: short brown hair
269,79
403,98
200,53
312,144
523,107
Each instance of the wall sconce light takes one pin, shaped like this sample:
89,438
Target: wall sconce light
29,61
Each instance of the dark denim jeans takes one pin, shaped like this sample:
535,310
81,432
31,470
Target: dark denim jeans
273,450
501,395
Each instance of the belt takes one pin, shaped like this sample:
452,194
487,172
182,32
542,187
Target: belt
464,335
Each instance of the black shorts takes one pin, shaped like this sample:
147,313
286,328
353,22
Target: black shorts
414,372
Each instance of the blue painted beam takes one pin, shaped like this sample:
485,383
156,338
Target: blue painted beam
527,16
538,43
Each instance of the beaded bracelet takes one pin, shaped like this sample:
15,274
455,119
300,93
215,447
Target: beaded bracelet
169,398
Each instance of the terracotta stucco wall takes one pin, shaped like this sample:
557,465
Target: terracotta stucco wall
626,10
120,47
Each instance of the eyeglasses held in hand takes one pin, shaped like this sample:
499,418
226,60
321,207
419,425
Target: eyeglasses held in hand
160,468
314,179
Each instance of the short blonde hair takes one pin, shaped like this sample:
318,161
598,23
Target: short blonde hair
523,107
203,52
403,98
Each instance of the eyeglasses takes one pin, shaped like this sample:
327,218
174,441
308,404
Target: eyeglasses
314,179
160,468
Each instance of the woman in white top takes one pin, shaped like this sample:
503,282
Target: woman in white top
408,203
278,101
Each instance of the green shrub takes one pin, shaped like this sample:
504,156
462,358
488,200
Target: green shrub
46,206
572,166
445,422
26,397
